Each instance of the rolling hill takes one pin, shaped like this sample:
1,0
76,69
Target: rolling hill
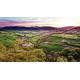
73,30
67,29
27,28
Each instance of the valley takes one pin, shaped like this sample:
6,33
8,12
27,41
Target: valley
39,45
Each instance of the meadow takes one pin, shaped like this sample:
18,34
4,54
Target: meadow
55,40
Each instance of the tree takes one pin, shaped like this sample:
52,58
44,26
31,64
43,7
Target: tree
60,59
2,48
54,55
39,54
49,58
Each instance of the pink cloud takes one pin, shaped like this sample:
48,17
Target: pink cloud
3,24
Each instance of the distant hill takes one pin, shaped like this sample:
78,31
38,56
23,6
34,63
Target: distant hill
73,30
27,28
66,28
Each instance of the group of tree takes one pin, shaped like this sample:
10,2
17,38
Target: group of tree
11,53
15,53
66,55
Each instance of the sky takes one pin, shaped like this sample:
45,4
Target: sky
39,21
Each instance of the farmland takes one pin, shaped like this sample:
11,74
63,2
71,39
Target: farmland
40,45
55,40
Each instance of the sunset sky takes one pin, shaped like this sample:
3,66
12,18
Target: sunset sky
39,21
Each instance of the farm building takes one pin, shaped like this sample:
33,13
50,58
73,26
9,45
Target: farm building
28,45
64,42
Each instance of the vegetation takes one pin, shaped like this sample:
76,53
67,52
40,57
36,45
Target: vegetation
39,46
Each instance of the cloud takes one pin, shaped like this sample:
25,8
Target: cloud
39,21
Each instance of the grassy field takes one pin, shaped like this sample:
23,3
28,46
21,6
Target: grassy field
52,45
71,36
55,39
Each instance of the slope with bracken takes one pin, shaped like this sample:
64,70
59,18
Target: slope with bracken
74,30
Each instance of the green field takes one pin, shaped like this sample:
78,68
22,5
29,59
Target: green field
55,39
52,45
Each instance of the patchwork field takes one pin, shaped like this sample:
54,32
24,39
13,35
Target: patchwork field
54,42
42,43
